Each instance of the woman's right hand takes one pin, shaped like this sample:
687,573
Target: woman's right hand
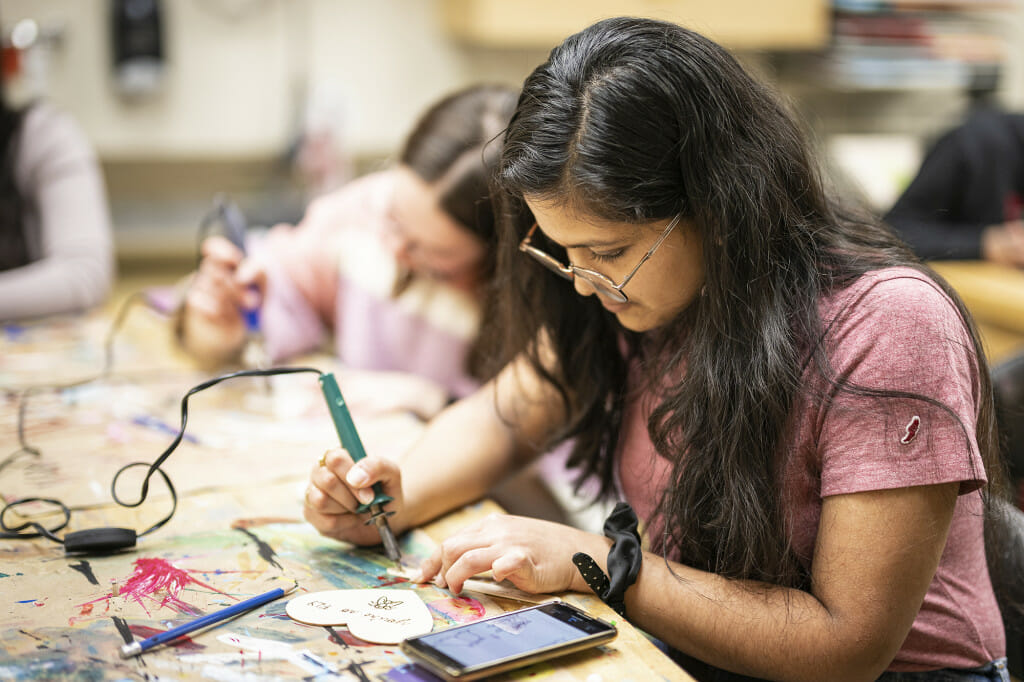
226,284
337,486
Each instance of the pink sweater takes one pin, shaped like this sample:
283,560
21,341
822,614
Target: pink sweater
893,329
331,275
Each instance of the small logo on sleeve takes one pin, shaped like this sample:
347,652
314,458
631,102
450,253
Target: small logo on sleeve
913,426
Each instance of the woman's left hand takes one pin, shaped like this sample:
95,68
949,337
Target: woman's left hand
535,555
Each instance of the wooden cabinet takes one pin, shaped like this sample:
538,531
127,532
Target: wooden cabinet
736,24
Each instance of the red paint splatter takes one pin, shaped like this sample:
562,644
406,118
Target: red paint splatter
346,637
388,580
184,642
459,609
160,581
84,613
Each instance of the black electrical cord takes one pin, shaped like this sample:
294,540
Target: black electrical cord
112,539
227,215
154,467
11,532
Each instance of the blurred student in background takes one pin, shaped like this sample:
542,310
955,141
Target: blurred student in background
56,242
967,200
393,264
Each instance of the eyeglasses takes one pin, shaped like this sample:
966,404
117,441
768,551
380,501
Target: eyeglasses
602,284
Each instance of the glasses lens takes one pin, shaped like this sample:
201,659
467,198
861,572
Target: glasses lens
602,285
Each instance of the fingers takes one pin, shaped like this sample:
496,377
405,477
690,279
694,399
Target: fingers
226,282
329,506
328,493
476,549
220,250
507,566
534,555
345,527
361,476
337,487
251,280
454,566
215,294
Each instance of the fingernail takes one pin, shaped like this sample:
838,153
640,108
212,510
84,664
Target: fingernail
357,477
364,495
416,577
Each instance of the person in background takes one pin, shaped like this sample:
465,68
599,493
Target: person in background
797,411
967,200
393,265
392,268
56,240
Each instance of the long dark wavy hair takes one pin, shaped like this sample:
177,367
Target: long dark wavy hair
636,120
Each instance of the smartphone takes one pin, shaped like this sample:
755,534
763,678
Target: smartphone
510,640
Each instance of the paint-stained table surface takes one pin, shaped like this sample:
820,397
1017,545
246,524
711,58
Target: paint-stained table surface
237,531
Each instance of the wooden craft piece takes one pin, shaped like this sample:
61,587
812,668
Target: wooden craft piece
330,607
381,616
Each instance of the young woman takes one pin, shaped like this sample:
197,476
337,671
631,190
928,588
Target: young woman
56,241
393,265
798,411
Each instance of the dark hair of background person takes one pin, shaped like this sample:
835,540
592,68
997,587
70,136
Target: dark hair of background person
14,250
636,120
454,147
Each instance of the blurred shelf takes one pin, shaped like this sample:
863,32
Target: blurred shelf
911,46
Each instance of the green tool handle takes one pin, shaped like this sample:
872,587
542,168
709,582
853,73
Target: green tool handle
346,429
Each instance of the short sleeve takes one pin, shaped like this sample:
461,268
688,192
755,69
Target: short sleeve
902,408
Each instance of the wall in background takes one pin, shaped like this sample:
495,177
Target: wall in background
240,73
244,77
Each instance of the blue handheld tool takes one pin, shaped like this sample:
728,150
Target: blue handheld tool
350,440
136,648
235,226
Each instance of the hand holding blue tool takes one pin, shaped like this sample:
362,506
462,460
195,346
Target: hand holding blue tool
350,441
234,226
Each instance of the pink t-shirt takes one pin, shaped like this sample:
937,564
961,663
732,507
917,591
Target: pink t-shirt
891,329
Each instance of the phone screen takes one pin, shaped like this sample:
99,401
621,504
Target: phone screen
511,639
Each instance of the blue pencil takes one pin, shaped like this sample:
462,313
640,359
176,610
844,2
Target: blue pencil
136,648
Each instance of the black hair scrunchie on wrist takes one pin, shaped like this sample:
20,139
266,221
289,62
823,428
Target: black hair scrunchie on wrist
624,559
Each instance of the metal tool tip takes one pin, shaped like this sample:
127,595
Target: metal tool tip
131,649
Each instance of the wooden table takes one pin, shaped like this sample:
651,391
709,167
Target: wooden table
237,529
